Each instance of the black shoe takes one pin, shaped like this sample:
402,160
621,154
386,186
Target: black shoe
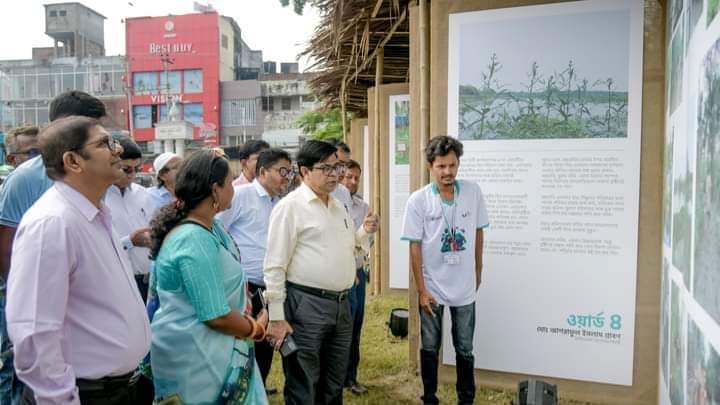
358,389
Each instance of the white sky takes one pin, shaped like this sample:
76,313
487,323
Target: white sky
266,25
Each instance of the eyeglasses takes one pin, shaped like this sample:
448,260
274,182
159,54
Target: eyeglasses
111,143
327,169
131,169
285,172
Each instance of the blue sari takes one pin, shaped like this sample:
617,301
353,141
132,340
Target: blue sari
198,277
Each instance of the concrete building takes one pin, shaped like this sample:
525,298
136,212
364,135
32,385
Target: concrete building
77,61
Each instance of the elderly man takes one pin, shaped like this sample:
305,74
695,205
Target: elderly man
247,221
21,145
310,258
82,341
165,166
130,205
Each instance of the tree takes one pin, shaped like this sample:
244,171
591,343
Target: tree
298,5
321,125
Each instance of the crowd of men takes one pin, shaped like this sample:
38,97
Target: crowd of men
75,251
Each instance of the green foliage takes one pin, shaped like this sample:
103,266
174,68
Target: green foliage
298,5
321,125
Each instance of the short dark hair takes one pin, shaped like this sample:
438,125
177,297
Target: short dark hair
63,135
352,164
131,150
314,151
441,145
268,158
76,103
252,147
28,130
339,145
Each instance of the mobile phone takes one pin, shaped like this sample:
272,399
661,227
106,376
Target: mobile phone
289,347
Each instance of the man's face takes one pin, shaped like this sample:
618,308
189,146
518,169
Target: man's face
130,168
444,169
169,176
352,180
27,148
344,158
251,166
323,177
277,178
100,158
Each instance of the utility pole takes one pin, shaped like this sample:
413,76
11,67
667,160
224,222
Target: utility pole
166,60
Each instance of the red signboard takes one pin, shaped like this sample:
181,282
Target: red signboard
176,56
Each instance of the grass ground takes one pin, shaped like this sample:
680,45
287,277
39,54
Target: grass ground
384,366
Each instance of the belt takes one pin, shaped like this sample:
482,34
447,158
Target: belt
107,383
337,296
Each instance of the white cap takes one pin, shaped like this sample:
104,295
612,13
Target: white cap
163,160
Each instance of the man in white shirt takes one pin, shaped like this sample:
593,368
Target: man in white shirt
444,223
358,210
130,205
310,257
247,221
75,317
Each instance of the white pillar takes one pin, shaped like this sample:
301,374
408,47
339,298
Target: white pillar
180,147
167,145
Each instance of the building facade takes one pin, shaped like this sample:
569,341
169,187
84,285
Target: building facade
182,59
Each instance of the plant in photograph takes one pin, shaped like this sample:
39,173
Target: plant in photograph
561,104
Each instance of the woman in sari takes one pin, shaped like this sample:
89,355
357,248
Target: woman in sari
202,340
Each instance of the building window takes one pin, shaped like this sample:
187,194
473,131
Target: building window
62,13
268,104
142,116
286,103
193,82
193,113
225,41
170,82
238,113
145,83
53,13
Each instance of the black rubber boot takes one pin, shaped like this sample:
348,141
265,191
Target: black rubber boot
429,372
465,384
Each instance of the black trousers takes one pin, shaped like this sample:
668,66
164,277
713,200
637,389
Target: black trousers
322,331
263,350
119,392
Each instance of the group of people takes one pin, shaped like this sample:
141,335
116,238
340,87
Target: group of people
181,293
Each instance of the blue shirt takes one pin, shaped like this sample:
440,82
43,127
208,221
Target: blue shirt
160,197
247,220
25,185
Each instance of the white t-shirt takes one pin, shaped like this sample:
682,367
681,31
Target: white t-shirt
428,220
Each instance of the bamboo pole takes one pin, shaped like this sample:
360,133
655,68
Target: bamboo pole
377,262
342,110
424,84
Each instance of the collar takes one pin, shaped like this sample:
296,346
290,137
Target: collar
436,191
309,195
79,201
115,189
260,189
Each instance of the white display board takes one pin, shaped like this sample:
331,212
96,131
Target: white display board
366,169
399,188
547,101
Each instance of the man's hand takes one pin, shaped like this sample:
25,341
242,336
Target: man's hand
370,223
276,332
426,302
141,237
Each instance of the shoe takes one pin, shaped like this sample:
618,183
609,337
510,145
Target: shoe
358,389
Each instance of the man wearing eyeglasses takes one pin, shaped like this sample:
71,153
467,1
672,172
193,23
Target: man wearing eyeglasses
247,221
21,145
22,188
309,269
74,314
130,205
